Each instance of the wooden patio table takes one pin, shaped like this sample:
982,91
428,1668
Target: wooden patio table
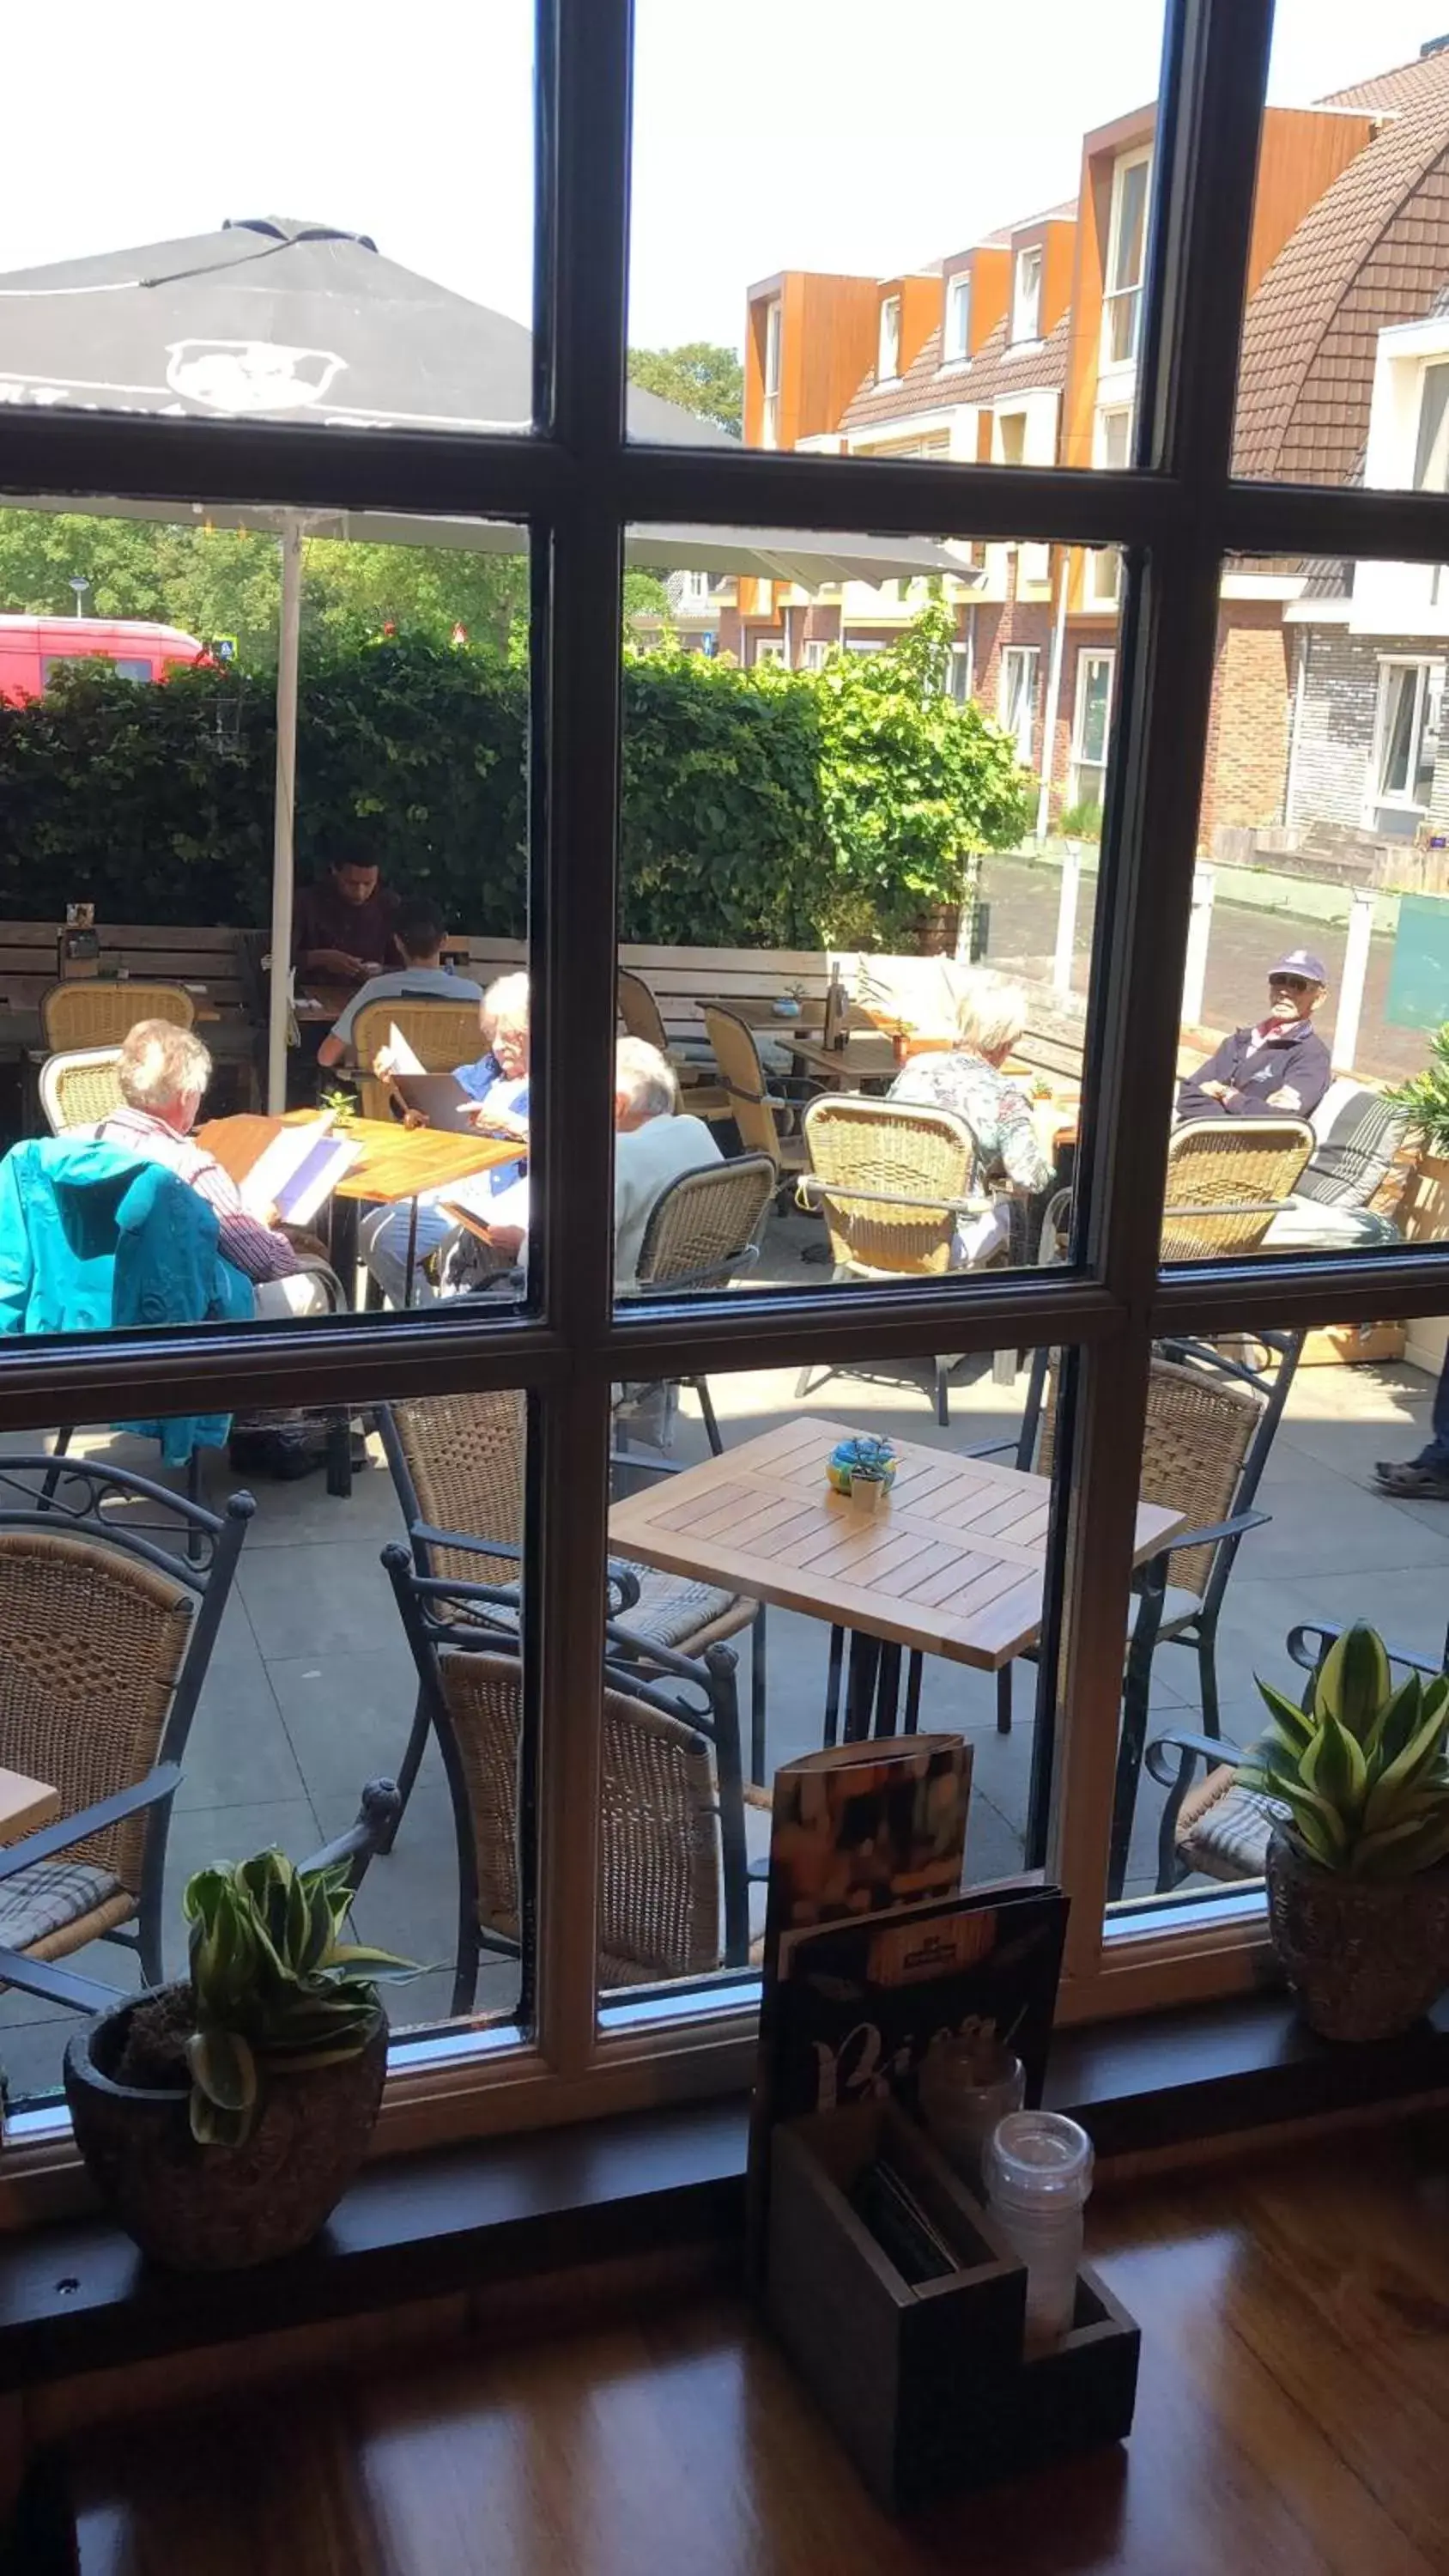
952,1564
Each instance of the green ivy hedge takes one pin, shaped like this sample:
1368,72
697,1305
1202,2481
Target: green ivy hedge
767,810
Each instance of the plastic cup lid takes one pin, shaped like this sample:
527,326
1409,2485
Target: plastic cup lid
1039,2156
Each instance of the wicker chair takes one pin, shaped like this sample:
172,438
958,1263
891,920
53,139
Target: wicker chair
702,1231
673,1891
1227,1178
1211,1422
1213,1827
891,1181
752,1104
441,1035
105,1639
87,1013
457,1464
643,1018
79,1088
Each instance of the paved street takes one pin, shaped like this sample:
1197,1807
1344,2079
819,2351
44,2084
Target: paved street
1024,901
311,1691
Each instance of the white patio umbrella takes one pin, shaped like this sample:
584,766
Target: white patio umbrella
278,320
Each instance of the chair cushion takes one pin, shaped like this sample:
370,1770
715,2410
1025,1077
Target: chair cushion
1358,1135
44,1898
671,1608
1229,1839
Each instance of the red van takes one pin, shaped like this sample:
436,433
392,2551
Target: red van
32,647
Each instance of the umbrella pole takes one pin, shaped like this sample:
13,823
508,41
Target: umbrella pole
288,647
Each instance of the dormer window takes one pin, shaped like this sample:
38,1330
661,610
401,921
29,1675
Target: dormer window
1431,454
1026,296
771,375
888,356
956,338
1126,255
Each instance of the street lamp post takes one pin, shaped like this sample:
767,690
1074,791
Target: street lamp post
80,585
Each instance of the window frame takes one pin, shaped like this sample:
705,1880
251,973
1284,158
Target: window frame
1025,658
1379,799
1113,297
1091,654
1021,302
770,372
888,339
958,301
576,483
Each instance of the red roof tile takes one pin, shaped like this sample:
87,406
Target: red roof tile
996,372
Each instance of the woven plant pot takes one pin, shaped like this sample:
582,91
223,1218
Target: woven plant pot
1367,1956
220,2209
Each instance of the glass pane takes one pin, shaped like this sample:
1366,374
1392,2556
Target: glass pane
995,267
141,688
310,1692
861,822
348,256
1288,1432
1350,255
1324,862
721,1489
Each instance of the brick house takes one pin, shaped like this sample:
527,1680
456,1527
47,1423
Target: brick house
1022,349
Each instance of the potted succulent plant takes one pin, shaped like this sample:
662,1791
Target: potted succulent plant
1358,1870
223,2117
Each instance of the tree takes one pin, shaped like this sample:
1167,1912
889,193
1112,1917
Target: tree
700,376
227,581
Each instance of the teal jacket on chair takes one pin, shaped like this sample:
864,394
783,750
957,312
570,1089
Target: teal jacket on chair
94,1239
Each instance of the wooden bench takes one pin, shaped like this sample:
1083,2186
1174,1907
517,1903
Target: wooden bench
211,963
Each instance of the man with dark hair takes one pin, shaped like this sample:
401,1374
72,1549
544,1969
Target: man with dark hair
420,934
1277,1067
342,930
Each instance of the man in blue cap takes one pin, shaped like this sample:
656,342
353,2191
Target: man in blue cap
1278,1067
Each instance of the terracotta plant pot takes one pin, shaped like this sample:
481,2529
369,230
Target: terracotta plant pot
220,2209
1367,1956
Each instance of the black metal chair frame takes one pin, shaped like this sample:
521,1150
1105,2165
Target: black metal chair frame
1307,1644
69,1499
1195,1628
438,1613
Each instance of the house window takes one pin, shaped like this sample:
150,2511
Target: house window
1126,257
1406,742
1113,445
1431,454
815,654
888,355
1016,704
956,344
769,648
1090,720
960,678
1026,296
770,423
1011,438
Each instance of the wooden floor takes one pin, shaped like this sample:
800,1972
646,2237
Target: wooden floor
1293,2420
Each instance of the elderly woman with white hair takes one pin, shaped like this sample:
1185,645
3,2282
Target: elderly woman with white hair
498,1082
967,1078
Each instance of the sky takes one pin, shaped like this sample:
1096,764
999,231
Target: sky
831,134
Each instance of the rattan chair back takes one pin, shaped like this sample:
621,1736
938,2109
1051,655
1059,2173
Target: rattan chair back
80,1088
1243,1167
854,1146
705,1224
743,1076
441,1035
1195,1449
640,1012
91,1648
660,1893
88,1013
465,1456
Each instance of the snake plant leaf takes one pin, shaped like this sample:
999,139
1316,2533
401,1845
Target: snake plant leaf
211,2126
1402,1850
357,1955
1336,1768
1417,1759
223,2079
1316,1839
1354,1679
1398,1720
1293,1723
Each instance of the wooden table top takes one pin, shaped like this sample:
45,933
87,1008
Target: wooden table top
397,1162
952,1565
25,1805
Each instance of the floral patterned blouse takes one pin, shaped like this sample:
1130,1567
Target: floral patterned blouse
993,1108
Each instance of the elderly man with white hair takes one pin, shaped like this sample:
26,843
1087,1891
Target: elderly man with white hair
653,1145
498,1081
990,1021
163,1073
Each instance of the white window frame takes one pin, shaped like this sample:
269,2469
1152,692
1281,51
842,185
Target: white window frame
961,674
815,653
1025,658
768,648
1427,717
888,341
956,321
1091,657
770,373
1026,300
1104,563
1125,298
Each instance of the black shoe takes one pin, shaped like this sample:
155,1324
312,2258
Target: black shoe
1411,1481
